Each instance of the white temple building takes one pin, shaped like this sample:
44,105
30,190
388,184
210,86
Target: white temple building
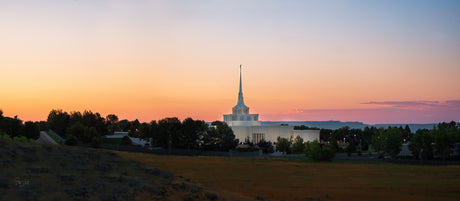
246,125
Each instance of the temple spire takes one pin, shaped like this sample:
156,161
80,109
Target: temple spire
240,93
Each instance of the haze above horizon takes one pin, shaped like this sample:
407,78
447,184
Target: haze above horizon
367,61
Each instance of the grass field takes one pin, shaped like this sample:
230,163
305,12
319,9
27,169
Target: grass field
113,141
281,179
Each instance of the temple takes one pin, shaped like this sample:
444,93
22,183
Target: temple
247,126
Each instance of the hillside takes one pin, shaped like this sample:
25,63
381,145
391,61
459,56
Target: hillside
53,172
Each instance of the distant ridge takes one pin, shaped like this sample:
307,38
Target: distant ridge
338,124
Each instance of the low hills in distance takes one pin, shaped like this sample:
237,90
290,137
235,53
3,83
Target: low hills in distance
339,124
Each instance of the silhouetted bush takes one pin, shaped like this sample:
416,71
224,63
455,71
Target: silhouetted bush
320,152
126,141
96,141
71,140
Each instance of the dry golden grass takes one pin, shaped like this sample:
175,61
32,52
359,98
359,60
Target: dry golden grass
278,179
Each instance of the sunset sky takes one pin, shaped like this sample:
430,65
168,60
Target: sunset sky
368,61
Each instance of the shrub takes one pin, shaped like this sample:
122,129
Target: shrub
283,145
71,140
298,146
21,139
351,147
4,136
320,152
126,141
96,141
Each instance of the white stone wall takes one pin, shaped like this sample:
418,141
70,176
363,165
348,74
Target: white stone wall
272,133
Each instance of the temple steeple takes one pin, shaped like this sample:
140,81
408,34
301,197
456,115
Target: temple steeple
240,94
240,113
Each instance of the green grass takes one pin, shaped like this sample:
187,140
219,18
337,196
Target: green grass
113,141
53,137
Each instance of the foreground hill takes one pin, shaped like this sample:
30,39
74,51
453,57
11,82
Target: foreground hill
53,172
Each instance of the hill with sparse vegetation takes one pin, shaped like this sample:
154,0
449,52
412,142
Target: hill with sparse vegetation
56,172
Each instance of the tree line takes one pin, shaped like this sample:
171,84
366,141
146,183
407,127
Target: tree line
14,128
89,127
424,144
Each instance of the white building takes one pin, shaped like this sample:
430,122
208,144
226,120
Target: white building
246,125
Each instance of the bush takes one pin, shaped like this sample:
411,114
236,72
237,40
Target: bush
283,145
351,148
71,140
126,141
31,130
266,146
392,142
21,139
320,152
298,146
96,142
4,137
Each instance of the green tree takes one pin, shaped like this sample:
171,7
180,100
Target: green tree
283,145
407,133
393,140
96,141
153,135
112,119
169,132
191,132
298,146
111,128
76,130
421,144
88,134
366,139
351,148
12,126
58,121
219,137
1,120
43,125
70,140
444,139
126,141
112,124
377,141
95,120
307,148
266,146
320,152
415,145
325,134
31,130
